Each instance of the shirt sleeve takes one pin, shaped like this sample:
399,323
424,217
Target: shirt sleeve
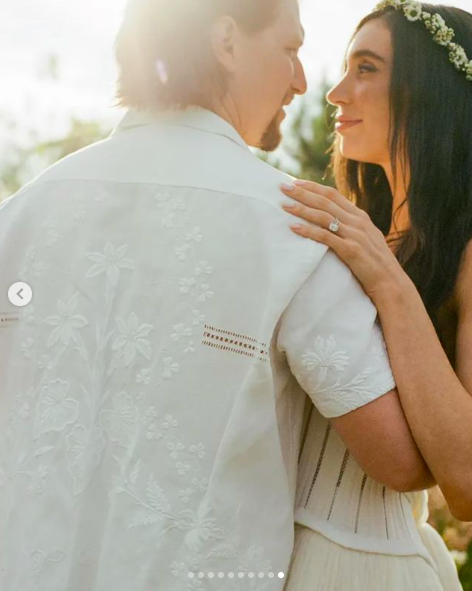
333,341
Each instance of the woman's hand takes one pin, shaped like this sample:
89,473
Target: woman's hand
358,242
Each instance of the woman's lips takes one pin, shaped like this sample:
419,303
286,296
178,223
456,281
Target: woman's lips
343,125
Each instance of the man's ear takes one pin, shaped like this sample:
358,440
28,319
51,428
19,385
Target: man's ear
224,38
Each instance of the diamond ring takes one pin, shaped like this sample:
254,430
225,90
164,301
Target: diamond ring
334,226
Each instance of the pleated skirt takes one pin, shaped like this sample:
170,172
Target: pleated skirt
318,564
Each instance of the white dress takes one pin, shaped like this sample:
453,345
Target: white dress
353,534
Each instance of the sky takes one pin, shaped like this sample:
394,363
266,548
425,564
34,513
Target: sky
81,34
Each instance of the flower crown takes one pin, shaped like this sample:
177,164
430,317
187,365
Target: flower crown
442,34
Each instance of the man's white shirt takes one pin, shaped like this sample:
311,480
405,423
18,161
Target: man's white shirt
152,393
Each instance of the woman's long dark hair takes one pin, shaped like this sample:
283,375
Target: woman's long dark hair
431,129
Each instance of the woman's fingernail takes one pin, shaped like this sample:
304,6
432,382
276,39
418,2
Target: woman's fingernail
300,183
288,205
287,187
296,227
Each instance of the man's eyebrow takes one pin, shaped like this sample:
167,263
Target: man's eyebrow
367,53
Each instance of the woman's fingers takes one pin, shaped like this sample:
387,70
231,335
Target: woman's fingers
335,241
314,216
329,193
314,201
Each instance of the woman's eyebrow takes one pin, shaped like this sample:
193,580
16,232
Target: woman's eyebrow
367,53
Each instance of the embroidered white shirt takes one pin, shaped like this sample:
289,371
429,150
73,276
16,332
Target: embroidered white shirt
150,413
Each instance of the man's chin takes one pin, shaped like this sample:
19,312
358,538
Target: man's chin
272,137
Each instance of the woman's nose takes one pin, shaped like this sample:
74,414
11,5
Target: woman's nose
338,95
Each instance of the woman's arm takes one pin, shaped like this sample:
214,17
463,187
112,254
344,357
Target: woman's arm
437,404
379,438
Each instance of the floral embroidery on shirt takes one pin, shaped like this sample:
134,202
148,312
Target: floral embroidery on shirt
181,331
122,422
111,262
53,235
37,485
358,390
67,324
84,452
144,377
131,342
55,408
325,357
27,347
40,561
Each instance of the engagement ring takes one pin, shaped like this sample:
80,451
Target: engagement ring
334,225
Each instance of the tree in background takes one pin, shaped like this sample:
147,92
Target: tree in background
307,147
312,134
23,163
24,154
465,571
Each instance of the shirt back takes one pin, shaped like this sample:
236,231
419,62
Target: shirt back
149,417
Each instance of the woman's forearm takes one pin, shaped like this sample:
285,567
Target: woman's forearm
438,408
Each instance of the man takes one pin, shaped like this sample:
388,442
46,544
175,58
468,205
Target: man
150,413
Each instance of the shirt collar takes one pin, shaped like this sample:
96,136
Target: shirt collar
193,117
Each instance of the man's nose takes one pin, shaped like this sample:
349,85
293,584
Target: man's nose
299,83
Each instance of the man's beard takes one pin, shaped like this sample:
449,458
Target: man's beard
272,136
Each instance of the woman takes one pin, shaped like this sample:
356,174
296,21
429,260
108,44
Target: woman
403,154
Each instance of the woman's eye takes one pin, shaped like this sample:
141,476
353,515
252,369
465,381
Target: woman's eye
363,68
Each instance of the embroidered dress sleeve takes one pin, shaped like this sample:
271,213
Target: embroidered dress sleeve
333,341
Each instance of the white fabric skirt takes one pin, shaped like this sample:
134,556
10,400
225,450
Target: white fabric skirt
318,564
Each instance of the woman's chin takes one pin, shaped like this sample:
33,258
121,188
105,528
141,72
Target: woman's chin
352,155
348,149
351,151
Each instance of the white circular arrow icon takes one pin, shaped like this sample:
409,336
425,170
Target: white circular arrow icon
20,294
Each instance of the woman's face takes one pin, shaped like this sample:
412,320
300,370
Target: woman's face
362,96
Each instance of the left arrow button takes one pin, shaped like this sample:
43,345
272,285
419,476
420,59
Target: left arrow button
20,294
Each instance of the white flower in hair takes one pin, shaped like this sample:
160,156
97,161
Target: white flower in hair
413,11
428,21
444,36
468,71
458,56
438,21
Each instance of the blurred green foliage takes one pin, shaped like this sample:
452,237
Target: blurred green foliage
465,571
22,162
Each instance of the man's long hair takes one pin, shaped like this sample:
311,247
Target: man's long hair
164,54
